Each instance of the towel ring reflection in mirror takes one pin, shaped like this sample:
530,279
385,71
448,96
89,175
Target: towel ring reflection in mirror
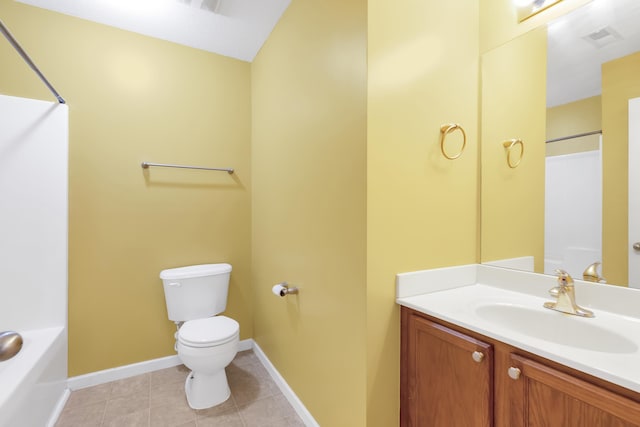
509,147
446,130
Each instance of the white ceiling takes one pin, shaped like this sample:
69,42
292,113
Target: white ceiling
574,62
235,28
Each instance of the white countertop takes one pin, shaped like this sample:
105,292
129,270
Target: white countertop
459,295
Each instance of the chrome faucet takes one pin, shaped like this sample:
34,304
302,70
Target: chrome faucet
566,297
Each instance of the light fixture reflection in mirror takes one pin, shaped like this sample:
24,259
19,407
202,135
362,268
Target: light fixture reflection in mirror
527,8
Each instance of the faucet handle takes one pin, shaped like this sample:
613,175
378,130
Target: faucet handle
564,278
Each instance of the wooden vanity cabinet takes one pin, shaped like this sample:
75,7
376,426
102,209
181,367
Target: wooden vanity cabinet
442,385
543,396
446,376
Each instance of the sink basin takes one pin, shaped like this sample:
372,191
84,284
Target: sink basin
556,327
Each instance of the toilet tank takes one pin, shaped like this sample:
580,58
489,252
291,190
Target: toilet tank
196,291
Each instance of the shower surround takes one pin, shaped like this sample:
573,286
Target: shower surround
33,258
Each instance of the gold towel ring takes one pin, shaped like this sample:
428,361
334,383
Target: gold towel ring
509,146
446,130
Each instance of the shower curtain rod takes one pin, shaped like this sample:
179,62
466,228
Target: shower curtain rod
578,135
12,41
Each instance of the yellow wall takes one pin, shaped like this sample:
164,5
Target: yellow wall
619,84
513,106
421,207
343,106
574,118
308,206
499,23
132,98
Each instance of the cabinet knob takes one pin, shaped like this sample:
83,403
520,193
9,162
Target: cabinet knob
477,356
514,373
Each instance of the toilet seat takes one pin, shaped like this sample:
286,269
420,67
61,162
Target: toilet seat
208,332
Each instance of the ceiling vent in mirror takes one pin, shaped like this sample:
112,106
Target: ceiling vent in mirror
603,37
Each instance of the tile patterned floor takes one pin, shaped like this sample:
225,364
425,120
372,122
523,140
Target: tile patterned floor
157,399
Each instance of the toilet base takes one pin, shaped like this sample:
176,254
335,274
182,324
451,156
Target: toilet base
205,391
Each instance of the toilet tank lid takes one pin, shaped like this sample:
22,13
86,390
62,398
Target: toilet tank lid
195,271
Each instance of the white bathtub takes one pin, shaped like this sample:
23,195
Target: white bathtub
33,383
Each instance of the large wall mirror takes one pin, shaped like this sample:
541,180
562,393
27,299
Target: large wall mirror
565,91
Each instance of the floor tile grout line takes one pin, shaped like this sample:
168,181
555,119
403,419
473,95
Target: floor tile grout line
106,403
149,403
242,420
235,404
104,411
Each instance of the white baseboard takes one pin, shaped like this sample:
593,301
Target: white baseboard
245,345
58,409
121,372
288,393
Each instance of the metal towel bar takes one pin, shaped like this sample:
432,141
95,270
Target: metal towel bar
146,165
578,135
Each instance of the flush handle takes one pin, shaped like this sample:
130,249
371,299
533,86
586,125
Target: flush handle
514,373
636,246
477,356
175,284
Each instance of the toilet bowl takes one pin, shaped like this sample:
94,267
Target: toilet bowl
207,346
206,342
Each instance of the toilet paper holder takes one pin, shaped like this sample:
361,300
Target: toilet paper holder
283,289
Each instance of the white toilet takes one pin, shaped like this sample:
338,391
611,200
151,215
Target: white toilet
206,343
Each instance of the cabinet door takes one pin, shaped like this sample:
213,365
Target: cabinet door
543,396
447,377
